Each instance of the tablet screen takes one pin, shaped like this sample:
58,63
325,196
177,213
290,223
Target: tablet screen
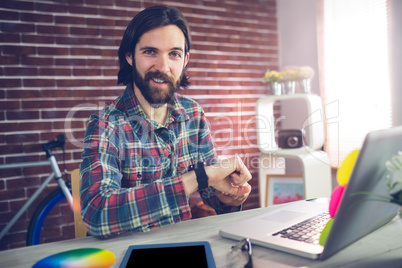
191,254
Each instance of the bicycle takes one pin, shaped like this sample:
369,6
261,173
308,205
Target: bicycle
50,201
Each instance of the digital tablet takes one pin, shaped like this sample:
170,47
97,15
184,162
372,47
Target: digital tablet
187,254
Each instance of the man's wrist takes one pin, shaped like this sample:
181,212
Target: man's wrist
202,178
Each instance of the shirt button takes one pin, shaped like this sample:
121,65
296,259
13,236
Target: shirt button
139,175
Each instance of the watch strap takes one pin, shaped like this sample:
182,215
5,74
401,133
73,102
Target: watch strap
202,177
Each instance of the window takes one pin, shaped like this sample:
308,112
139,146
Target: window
356,73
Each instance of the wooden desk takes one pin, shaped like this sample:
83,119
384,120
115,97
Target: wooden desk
381,248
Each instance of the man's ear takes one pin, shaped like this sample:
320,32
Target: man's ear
129,58
186,59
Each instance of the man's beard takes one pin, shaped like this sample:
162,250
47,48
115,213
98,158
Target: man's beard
156,97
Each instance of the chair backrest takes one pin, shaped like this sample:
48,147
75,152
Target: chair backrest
80,229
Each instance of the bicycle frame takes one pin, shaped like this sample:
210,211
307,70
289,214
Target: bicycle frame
55,174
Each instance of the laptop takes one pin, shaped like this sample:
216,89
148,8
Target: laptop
355,218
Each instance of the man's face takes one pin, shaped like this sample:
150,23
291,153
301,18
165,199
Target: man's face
159,62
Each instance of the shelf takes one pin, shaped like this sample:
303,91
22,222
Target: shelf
316,170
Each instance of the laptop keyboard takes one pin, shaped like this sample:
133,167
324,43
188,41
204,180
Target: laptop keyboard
307,231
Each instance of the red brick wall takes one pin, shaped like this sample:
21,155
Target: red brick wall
59,64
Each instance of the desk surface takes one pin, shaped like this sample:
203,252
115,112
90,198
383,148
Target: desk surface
382,247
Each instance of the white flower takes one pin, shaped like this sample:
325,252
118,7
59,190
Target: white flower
306,72
394,177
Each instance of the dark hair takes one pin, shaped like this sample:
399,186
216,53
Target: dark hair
146,20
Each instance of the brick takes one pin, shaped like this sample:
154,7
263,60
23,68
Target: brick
84,31
10,149
5,83
110,72
56,93
9,15
39,82
102,42
21,71
40,125
51,8
52,114
17,5
102,82
53,51
68,40
37,39
103,62
20,94
50,29
100,2
129,4
8,127
10,37
83,113
112,12
72,83
71,62
36,61
9,60
22,115
101,22
34,17
55,71
112,32
42,104
84,10
74,124
19,50
110,52
87,72
85,51
33,148
61,19
17,27
10,105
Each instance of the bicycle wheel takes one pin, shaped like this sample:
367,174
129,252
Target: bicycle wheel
37,226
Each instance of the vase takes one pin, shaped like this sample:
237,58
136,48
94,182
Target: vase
289,87
276,88
305,86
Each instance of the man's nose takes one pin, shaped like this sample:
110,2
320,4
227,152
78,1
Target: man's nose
162,64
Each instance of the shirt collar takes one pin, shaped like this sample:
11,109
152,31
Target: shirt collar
140,123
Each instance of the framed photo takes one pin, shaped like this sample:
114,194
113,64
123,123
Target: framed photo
284,188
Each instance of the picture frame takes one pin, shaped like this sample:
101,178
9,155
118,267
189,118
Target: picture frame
284,188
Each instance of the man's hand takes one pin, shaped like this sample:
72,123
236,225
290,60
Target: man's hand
230,178
235,199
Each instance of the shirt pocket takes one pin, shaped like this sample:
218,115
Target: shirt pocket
141,168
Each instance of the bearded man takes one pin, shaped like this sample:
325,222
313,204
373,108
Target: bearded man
150,149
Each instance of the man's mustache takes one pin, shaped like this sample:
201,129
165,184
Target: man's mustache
156,74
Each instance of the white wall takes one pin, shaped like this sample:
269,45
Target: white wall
298,35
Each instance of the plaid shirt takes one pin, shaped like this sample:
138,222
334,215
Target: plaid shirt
130,173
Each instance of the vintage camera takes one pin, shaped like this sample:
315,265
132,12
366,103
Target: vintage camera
290,138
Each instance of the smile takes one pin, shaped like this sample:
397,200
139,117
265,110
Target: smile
159,81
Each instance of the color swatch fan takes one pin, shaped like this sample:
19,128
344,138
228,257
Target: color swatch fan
78,258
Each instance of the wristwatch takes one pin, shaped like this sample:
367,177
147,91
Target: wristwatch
202,177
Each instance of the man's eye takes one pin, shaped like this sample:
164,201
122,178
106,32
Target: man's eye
175,54
149,52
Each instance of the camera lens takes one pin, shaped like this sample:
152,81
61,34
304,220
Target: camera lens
293,141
